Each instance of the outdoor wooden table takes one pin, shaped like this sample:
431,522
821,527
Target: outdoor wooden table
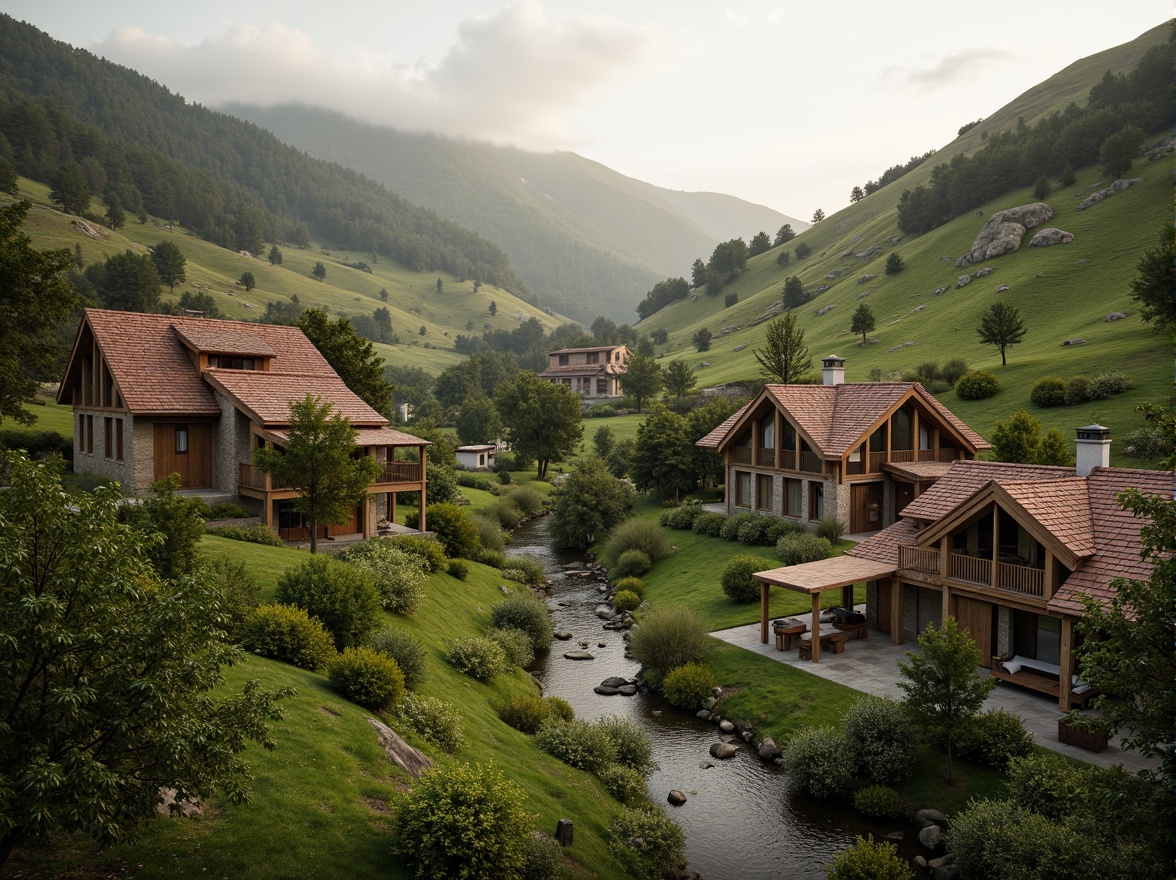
834,638
785,633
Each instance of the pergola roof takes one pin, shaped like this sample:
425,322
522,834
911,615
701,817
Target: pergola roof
825,574
919,471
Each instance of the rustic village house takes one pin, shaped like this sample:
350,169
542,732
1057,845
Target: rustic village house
593,373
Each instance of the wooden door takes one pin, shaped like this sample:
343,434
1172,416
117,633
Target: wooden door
976,617
184,449
353,526
865,507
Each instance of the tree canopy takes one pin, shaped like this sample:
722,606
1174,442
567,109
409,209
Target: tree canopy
478,421
1001,325
542,419
350,355
863,321
785,356
589,503
169,263
680,379
1019,439
108,672
642,379
1154,286
663,455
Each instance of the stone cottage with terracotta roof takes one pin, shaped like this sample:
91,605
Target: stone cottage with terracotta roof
593,373
861,451
155,394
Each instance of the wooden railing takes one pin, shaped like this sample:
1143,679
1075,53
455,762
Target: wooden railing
973,569
741,454
788,459
811,463
855,467
252,477
877,459
1020,578
398,472
765,457
902,454
914,558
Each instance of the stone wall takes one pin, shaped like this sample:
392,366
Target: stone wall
143,455
96,462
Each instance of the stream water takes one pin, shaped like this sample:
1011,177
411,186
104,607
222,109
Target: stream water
741,820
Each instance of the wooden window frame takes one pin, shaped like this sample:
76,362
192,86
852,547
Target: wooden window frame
181,431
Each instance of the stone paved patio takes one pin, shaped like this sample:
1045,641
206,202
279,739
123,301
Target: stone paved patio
871,665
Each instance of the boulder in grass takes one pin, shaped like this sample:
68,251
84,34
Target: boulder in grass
1003,231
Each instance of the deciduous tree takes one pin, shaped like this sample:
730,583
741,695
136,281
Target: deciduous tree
1019,439
350,355
1001,325
589,503
785,356
680,379
1154,285
319,272
642,379
856,195
863,321
71,189
542,419
116,217
478,421
248,281
663,455
701,339
275,255
128,282
169,262
759,243
317,461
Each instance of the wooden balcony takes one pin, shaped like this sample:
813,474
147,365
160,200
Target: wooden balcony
972,569
250,476
765,457
810,463
741,454
913,558
394,472
788,459
855,467
1024,579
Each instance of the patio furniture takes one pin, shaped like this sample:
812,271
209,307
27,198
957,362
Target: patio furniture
1040,676
829,638
785,630
1092,741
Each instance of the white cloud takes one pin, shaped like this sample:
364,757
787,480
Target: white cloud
948,70
512,77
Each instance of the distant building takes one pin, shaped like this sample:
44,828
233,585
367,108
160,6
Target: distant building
477,457
593,373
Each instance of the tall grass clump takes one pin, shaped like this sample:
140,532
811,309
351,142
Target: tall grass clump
527,613
530,502
489,531
636,534
668,637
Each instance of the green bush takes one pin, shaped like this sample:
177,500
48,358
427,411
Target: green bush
227,510
532,569
506,512
525,612
525,712
737,579
367,678
1048,391
709,523
542,857
830,528
999,840
633,585
504,477
254,534
399,576
342,596
815,761
626,601
758,530
427,549
455,531
867,860
459,569
38,444
1149,443
478,657
579,744
798,548
490,534
527,500
476,481
878,802
688,685
504,463
559,708
492,558
516,645
634,747
779,528
977,385
632,563
437,721
647,841
882,743
993,738
1107,385
953,370
730,528
1078,390
462,821
669,637
290,635
681,518
237,587
623,783
403,647
636,534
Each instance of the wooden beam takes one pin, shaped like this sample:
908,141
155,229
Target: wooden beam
816,628
764,612
995,542
421,455
896,617
1066,665
1049,575
946,609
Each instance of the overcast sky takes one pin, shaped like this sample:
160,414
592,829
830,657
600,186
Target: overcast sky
781,103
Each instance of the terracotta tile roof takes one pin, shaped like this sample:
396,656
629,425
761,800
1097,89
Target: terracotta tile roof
715,437
583,369
883,547
267,396
966,478
366,437
920,471
1062,507
219,340
608,348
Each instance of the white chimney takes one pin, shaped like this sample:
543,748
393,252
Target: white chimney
1094,449
834,370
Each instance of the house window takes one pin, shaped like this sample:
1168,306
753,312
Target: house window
563,360
767,431
602,386
788,435
118,439
231,363
763,492
181,439
792,497
593,357
108,437
816,500
742,489
88,435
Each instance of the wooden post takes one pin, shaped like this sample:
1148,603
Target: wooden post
816,628
1066,665
421,524
1048,589
946,609
896,617
764,612
915,433
995,543
847,597
564,829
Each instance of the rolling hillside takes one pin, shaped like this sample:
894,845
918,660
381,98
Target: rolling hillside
584,238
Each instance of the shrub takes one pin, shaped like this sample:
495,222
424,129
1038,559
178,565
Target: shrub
1048,784
669,637
867,860
478,657
490,534
758,530
878,802
504,463
405,649
399,576
633,745
290,635
993,738
709,523
998,840
1078,390
688,685
737,579
525,612
367,678
462,821
1048,391
795,549
426,548
227,510
1148,443
504,477
476,481
532,569
453,527
815,760
633,585
626,601
506,512
492,558
881,741
781,527
527,500
636,534
623,783
953,370
542,857
681,518
459,569
632,563
830,528
525,712
254,534
1106,385
580,744
435,720
516,645
732,525
342,596
977,385
647,841
238,589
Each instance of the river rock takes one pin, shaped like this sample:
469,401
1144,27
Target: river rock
723,751
896,837
705,765
1003,232
703,714
563,635
1050,236
768,749
614,681
578,655
929,837
676,798
926,817
604,612
628,690
606,691
921,861
747,736
1117,187
726,726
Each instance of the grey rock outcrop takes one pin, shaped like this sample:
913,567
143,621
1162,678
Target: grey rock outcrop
769,749
1114,316
963,281
1117,187
980,273
578,655
1003,232
826,309
405,756
866,279
929,837
676,798
1050,236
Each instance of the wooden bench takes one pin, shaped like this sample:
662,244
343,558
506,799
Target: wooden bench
854,630
1039,680
785,630
836,640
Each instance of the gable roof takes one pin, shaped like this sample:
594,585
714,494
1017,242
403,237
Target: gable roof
967,477
836,418
609,348
266,397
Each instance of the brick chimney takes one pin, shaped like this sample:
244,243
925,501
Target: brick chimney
833,372
1094,449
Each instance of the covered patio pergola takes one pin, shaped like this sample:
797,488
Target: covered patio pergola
815,578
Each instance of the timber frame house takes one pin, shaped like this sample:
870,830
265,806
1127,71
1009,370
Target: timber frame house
156,394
